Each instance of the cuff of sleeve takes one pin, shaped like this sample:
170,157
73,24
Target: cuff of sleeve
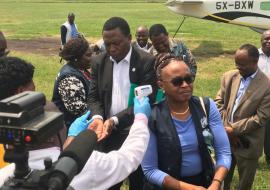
141,117
161,178
97,117
115,120
226,162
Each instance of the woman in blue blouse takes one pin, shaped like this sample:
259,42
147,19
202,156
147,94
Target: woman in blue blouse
177,156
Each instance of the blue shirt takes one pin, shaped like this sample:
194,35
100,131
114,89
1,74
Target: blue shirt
189,145
191,163
244,84
74,32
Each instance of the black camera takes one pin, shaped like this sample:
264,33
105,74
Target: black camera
23,122
23,119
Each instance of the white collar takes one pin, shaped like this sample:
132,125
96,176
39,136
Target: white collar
260,51
145,47
126,59
254,74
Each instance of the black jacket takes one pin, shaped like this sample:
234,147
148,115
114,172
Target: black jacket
168,143
68,70
141,72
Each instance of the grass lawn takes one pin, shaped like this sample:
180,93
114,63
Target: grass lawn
212,43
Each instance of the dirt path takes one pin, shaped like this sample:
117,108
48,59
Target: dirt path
43,46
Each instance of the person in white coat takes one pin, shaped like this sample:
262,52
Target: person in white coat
103,170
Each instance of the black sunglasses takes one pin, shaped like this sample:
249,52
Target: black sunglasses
178,81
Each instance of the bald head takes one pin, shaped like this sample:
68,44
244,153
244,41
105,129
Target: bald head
142,35
246,59
265,41
142,29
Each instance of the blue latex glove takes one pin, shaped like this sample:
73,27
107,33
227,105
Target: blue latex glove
79,125
142,106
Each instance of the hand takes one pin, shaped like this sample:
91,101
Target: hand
79,125
107,128
142,106
234,140
97,127
229,130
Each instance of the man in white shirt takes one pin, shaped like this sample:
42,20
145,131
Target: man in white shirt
264,65
115,74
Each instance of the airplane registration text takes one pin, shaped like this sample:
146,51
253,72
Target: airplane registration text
237,5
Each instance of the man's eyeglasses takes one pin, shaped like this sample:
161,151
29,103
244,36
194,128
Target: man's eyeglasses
178,81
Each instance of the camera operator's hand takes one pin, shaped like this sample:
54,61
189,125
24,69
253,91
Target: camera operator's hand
142,106
79,125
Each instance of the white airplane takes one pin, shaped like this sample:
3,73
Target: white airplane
251,13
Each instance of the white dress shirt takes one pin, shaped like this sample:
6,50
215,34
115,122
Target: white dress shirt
121,84
104,170
264,63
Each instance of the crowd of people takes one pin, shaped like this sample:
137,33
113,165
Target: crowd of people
193,143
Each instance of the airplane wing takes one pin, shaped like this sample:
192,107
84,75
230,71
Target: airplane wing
173,2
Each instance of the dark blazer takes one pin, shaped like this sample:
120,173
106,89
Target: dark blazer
141,72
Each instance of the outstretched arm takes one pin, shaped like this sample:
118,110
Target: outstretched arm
79,125
104,170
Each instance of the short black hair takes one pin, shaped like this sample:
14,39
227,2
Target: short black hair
14,72
157,29
74,49
71,15
252,50
117,22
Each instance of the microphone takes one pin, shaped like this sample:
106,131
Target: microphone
72,160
